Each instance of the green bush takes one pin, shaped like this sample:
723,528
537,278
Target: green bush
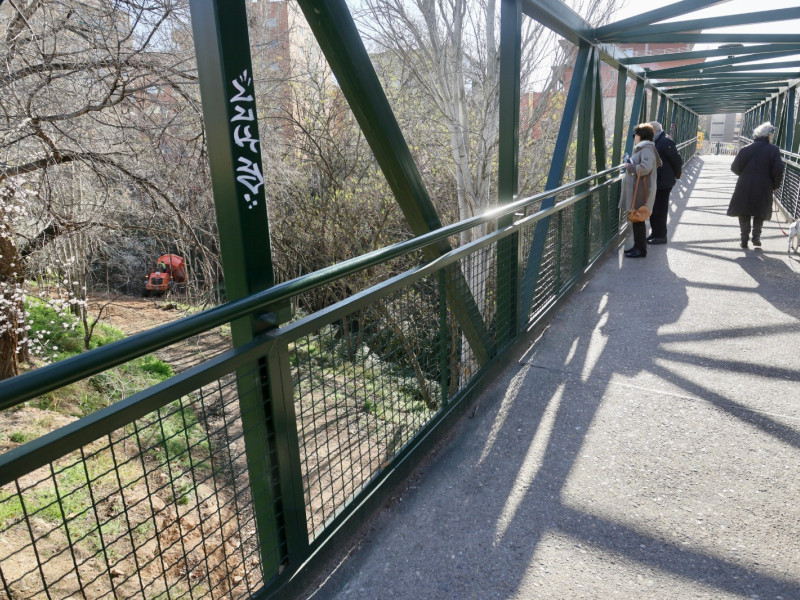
56,333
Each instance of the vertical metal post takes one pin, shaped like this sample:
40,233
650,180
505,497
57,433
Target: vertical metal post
554,176
779,123
635,108
600,154
616,153
229,108
794,123
508,162
583,154
642,114
656,106
662,110
790,117
619,115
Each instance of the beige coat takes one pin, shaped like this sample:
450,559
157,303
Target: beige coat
646,160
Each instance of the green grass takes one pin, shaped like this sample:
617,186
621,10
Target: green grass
62,336
385,389
19,437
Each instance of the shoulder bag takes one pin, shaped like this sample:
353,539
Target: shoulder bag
641,214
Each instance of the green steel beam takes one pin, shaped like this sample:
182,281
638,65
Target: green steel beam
767,16
337,35
780,119
583,156
619,114
708,38
559,18
225,74
556,173
564,21
686,84
764,90
636,107
700,97
670,11
600,157
509,102
699,70
339,40
508,162
758,76
753,51
599,127
728,63
790,119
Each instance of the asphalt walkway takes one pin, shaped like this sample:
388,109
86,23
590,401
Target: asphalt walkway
646,446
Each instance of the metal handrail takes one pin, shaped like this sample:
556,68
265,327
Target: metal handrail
48,378
792,155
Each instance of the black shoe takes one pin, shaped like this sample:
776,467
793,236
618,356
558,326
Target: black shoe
636,253
658,240
629,250
757,242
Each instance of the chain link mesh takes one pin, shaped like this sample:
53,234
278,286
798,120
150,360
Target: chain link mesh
158,508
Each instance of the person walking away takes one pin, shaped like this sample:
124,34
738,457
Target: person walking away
760,170
643,164
668,173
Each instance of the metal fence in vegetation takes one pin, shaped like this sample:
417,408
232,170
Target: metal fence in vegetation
221,481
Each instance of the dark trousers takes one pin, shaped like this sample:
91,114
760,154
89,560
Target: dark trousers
744,227
658,220
640,236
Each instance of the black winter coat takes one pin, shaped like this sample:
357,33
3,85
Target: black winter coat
760,170
673,163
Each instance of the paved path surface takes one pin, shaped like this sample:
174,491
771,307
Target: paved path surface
646,446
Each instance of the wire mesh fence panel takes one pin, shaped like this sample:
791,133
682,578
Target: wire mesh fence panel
336,291
788,194
158,508
367,382
363,385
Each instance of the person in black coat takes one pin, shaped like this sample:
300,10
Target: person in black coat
665,181
760,170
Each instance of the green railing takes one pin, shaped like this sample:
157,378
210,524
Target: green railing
787,195
155,496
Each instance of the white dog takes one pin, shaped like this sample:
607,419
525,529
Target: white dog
794,235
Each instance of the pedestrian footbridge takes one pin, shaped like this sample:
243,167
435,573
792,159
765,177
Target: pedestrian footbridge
499,407
642,447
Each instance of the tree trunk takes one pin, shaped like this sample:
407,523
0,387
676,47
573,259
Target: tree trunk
10,305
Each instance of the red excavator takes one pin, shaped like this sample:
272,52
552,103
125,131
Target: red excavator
170,272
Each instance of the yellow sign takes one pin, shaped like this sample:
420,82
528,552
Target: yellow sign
699,136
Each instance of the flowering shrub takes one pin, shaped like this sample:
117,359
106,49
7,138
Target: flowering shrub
22,334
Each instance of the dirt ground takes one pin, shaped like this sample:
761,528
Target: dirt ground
203,539
134,314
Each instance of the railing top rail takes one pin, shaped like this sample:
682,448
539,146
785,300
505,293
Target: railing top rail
40,381
792,155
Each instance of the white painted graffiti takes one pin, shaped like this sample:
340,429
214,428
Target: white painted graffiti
241,83
250,174
248,171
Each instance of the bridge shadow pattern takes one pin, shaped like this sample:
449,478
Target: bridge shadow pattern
504,516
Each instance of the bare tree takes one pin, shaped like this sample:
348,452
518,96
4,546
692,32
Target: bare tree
87,123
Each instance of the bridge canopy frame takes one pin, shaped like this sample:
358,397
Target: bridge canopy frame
733,80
